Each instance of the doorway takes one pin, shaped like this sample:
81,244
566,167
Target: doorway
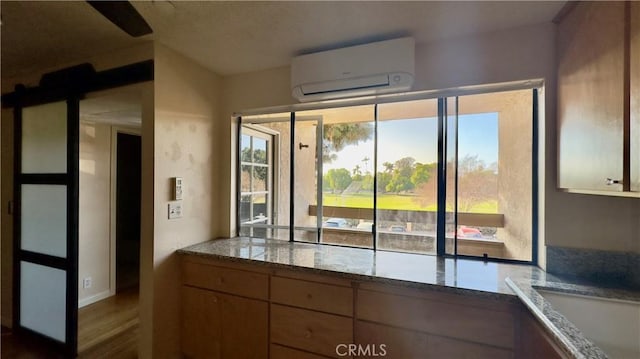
128,179
109,221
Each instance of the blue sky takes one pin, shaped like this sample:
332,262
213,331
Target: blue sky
418,138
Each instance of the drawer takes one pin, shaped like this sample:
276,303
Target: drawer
233,281
280,352
322,297
309,330
451,320
402,343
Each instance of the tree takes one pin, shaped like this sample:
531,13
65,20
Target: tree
338,179
367,182
357,173
383,181
401,176
366,160
477,183
338,136
388,167
422,173
259,173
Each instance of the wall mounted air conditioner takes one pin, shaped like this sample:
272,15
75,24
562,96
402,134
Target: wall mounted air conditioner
375,68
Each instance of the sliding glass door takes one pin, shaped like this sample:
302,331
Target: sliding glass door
493,173
46,222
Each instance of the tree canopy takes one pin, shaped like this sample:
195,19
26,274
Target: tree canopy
338,136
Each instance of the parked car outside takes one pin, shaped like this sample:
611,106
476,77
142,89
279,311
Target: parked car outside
365,225
397,228
469,232
335,223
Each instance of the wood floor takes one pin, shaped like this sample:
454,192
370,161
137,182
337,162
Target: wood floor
106,329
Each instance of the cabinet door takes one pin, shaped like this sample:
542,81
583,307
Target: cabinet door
534,342
634,52
216,325
591,96
201,328
245,327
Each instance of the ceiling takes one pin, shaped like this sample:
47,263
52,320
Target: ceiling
231,37
121,108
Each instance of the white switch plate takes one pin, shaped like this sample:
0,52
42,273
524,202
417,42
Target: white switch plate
175,210
86,283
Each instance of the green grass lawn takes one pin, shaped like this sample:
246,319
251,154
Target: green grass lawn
395,201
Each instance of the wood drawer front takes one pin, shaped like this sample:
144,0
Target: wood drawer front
310,295
280,352
308,330
451,320
233,281
402,343
398,343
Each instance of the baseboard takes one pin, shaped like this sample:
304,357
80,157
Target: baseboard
94,298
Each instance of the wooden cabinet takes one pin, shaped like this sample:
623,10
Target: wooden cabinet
228,280
595,139
309,330
218,320
535,342
216,325
412,325
311,316
281,352
310,295
249,311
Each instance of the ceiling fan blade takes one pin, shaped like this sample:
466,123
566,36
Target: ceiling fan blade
123,15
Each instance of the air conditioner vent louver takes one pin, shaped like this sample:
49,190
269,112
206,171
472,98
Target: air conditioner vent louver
381,67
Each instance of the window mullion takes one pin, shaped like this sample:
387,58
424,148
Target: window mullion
238,174
442,178
292,167
319,215
374,230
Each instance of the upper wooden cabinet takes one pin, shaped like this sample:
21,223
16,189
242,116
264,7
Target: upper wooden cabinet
598,135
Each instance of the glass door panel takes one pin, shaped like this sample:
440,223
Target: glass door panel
46,221
44,138
494,175
264,176
43,303
306,208
451,177
407,181
343,144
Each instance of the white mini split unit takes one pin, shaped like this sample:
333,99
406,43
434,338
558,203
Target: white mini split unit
375,68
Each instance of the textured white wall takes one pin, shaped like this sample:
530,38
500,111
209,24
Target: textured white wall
186,110
95,210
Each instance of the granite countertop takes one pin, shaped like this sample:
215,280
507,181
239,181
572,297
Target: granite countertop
475,277
500,281
563,330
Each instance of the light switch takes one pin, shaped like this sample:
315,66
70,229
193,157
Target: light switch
175,210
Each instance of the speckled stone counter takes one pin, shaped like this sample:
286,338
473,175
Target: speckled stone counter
563,330
485,279
499,281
